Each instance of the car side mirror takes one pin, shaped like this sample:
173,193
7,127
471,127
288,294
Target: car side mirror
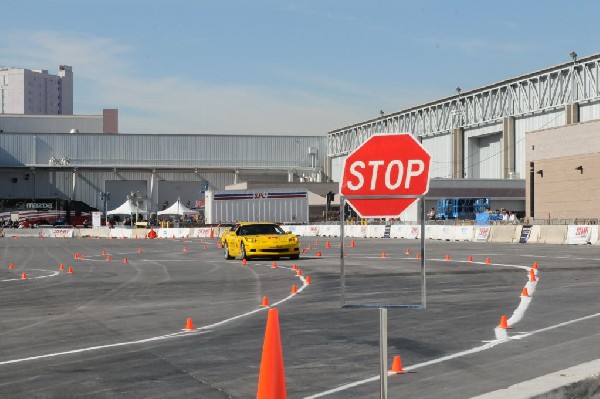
288,232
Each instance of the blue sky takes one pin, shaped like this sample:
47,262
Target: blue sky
284,67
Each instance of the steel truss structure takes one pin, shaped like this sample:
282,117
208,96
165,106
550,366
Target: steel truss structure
572,82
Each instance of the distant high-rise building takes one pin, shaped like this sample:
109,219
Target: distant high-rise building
36,92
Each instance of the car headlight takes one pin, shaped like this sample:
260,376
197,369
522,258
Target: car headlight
248,239
293,239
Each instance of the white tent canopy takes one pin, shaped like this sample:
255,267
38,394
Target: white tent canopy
127,209
177,209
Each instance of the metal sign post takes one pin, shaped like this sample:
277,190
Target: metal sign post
383,341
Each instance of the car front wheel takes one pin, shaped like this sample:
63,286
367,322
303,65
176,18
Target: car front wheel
227,255
242,251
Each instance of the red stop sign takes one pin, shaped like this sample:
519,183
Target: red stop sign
392,164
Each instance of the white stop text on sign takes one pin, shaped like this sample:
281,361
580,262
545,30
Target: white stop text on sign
394,174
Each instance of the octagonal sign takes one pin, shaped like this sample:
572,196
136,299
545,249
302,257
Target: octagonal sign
385,165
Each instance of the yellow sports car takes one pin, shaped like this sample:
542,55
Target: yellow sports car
259,239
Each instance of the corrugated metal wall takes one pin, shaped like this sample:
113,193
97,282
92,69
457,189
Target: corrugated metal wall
440,148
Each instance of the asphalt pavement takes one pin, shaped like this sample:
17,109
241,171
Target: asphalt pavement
114,329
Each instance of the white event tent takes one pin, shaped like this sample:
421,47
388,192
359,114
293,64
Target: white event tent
127,209
177,209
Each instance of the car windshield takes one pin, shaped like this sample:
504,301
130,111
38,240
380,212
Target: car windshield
260,229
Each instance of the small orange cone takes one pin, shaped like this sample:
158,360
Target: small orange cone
532,275
274,265
108,258
265,302
504,323
24,276
125,260
244,262
535,265
383,255
139,250
418,256
104,253
470,259
316,242
205,247
488,261
76,256
327,244
303,250
318,254
212,234
307,279
271,379
294,289
61,267
70,271
299,272
407,252
189,325
185,249
524,293
309,247
447,258
81,257
11,266
352,244
397,366
294,267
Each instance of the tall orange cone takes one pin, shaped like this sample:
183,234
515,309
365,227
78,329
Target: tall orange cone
299,272
125,260
308,247
271,380
244,262
139,250
447,258
108,258
397,366
470,259
418,256
535,265
11,266
532,275
327,244
352,244
274,265
407,252
185,249
294,267
294,289
265,302
212,234
524,293
307,279
70,271
488,261
383,255
24,276
503,323
189,325
61,267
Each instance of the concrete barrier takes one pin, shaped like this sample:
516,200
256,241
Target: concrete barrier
578,234
552,234
534,236
464,233
500,233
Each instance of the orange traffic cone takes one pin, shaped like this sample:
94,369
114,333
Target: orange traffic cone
535,265
189,325
447,258
532,276
125,260
303,250
318,254
274,265
76,256
407,252
108,258
503,323
185,249
524,293
244,262
81,257
418,256
308,247
307,279
61,267
294,267
24,276
397,366
265,302
383,255
488,261
104,253
139,250
70,271
294,289
212,234
316,242
327,244
271,379
11,266
352,244
299,272
205,247
470,259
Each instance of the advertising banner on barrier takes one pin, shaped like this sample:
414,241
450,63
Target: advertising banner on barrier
312,231
525,233
464,233
203,232
376,231
413,232
448,233
396,231
330,231
120,232
578,235
482,233
173,233
59,233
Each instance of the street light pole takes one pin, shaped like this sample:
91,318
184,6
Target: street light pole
105,196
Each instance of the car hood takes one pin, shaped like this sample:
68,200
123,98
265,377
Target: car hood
274,238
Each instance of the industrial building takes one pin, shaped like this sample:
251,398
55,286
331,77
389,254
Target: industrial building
478,139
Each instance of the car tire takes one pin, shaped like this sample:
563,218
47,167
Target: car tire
227,255
243,251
